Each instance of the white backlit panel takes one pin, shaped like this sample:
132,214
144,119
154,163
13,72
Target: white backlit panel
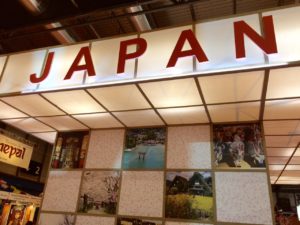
282,109
62,61
18,70
217,40
276,167
63,123
287,32
29,125
284,83
8,112
47,136
125,97
187,115
105,54
99,120
234,112
2,62
74,102
172,93
159,50
279,151
277,160
283,127
33,105
292,167
282,141
139,118
232,87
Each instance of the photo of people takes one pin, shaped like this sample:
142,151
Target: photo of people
99,192
144,148
238,146
16,215
135,221
189,195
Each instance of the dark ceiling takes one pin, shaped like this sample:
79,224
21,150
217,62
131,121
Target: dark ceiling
30,24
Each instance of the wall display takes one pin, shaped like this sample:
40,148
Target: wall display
99,192
238,146
134,186
135,221
144,148
16,215
189,195
70,150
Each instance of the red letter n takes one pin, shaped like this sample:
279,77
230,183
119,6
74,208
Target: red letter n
267,43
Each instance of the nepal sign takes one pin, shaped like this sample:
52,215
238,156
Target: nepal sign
14,152
251,41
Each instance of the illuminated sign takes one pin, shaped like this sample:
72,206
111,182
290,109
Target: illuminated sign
14,152
251,41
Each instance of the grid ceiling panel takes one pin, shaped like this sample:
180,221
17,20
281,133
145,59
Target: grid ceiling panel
63,123
99,120
282,109
283,127
28,125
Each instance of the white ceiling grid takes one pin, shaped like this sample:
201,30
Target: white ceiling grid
234,97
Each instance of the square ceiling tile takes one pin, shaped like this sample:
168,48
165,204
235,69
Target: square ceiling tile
28,125
172,93
34,105
63,123
139,118
282,127
276,167
234,112
284,83
297,153
280,151
292,167
282,141
186,115
278,160
74,102
295,160
275,173
290,174
282,109
99,120
8,112
288,181
124,97
234,87
46,136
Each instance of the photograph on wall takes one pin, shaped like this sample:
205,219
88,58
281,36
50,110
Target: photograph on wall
144,148
99,192
238,146
16,215
56,219
189,195
137,221
70,150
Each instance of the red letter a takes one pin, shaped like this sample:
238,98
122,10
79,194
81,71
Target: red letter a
266,43
195,50
89,66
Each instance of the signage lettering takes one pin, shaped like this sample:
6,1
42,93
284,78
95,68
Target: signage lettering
266,43
12,151
35,79
123,55
196,50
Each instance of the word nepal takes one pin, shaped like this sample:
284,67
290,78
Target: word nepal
266,42
12,151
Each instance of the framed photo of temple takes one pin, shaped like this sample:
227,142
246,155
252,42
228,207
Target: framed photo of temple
238,146
144,148
189,195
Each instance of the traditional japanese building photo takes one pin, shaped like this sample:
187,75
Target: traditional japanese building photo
150,112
